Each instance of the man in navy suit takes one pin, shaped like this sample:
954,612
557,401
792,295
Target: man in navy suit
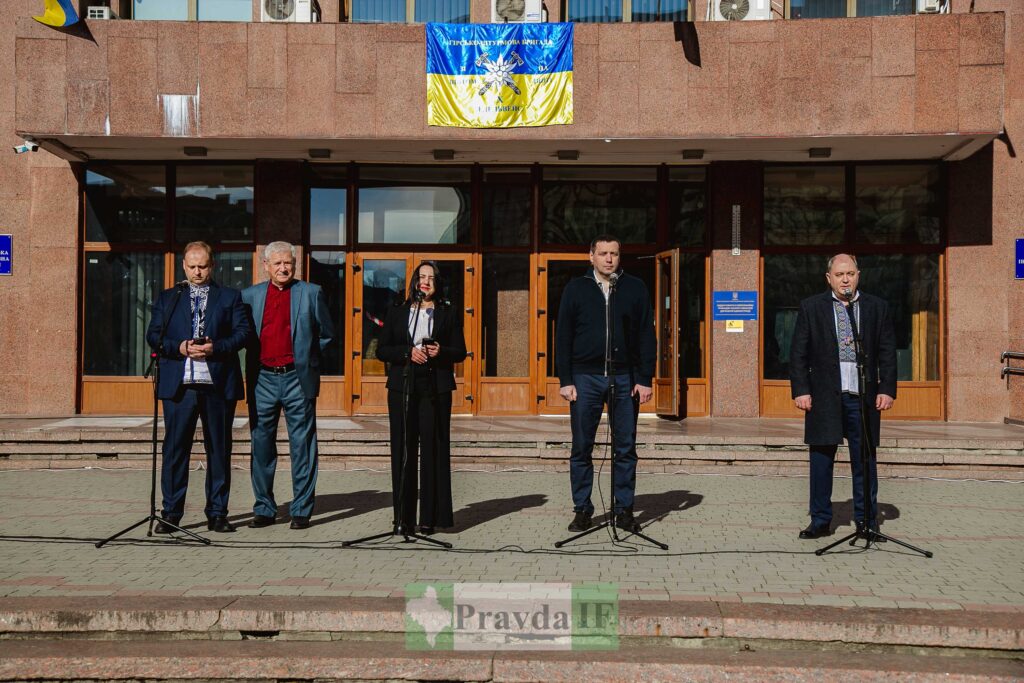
292,329
202,326
826,386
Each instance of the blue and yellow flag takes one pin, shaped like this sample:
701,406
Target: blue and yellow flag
58,13
499,75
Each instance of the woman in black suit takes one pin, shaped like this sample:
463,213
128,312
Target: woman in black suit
422,341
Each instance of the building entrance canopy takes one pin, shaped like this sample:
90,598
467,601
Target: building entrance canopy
950,147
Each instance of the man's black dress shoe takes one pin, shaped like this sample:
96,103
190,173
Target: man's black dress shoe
220,525
581,522
164,526
625,521
299,523
814,531
425,530
260,521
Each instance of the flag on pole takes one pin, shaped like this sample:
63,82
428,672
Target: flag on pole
58,13
499,75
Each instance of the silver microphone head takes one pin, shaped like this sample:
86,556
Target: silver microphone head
181,285
613,278
847,292
419,295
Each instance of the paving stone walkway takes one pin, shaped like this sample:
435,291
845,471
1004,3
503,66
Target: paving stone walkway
732,538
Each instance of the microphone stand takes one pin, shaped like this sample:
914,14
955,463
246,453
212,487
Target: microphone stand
154,367
399,528
609,371
865,530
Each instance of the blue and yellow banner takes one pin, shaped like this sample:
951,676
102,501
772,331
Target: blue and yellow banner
499,75
58,13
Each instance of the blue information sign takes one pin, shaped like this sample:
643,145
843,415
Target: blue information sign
734,305
5,255
1019,260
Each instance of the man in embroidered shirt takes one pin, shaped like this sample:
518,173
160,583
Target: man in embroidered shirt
198,328
292,328
826,386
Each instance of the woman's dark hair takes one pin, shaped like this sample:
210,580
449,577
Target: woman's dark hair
414,282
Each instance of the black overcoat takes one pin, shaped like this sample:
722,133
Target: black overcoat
395,345
814,364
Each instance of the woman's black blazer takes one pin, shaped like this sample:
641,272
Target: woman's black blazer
395,345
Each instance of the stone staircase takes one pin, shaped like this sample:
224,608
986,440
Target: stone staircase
661,449
362,639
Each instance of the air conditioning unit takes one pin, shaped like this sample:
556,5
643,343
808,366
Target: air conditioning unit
932,6
742,10
516,11
288,10
99,12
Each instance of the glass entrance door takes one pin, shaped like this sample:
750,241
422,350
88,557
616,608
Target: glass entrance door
554,273
380,281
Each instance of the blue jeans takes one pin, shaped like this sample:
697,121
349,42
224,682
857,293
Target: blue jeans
271,394
823,459
592,391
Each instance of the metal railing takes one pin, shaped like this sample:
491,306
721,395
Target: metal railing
1009,369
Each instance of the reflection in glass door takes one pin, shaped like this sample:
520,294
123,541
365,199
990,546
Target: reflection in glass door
554,274
380,283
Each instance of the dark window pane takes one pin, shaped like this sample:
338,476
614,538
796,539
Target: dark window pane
214,204
507,209
910,283
327,174
327,216
444,11
383,285
580,204
120,288
125,203
804,204
506,315
327,269
898,204
816,9
692,313
414,206
788,279
582,11
687,193
558,275
378,11
233,269
659,10
881,8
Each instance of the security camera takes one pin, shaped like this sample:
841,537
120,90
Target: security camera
27,146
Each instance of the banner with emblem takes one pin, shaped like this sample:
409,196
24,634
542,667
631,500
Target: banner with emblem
499,75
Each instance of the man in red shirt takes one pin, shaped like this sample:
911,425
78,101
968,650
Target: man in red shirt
292,328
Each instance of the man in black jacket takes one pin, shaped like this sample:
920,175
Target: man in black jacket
825,385
602,299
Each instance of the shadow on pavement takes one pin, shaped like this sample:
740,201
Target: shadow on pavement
485,511
842,513
650,507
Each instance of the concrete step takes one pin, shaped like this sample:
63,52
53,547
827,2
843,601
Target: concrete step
659,451
333,618
253,660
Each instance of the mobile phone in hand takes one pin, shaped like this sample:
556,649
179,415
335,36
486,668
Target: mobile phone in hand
201,340
428,341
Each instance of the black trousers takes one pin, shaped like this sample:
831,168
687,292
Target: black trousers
427,435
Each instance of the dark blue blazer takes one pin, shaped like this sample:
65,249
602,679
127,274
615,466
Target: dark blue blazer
227,324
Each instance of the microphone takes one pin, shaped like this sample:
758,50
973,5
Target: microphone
613,279
848,293
419,295
181,285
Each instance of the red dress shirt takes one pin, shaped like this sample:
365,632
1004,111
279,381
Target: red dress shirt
276,331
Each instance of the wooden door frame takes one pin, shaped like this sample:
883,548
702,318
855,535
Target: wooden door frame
672,255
